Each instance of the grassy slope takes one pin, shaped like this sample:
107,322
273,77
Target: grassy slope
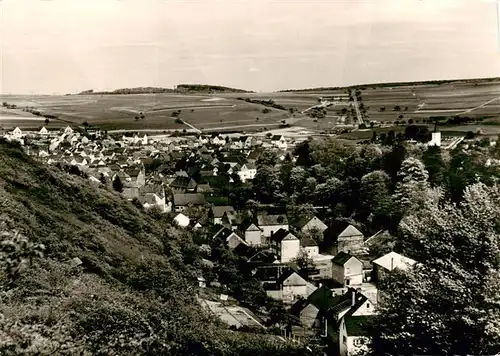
133,293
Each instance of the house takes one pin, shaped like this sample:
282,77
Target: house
285,245
290,287
43,131
233,240
309,246
320,306
182,201
389,262
311,224
217,212
347,269
269,224
17,133
355,333
247,171
181,220
253,235
343,236
153,195
68,130
183,184
279,141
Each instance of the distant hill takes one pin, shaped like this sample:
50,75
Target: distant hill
135,290
395,84
181,89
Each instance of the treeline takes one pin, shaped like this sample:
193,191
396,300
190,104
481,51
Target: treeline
269,103
208,88
396,84
180,89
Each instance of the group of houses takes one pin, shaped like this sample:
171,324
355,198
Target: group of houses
168,173
336,297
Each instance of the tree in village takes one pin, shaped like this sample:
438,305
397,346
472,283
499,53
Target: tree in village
102,179
117,184
375,196
412,189
434,164
448,304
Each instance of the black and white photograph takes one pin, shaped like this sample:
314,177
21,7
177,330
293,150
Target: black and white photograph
250,177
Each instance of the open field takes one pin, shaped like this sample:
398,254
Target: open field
225,112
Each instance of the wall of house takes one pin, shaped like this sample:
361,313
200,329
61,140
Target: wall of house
357,345
289,250
253,238
338,273
217,221
350,244
233,241
267,230
353,270
291,293
343,339
311,251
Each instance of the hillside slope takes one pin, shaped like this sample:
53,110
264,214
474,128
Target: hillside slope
132,295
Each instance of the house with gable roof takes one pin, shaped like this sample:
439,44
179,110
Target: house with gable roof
389,262
347,269
289,287
356,327
253,235
343,236
247,171
285,244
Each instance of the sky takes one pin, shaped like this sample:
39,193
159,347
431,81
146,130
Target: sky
66,46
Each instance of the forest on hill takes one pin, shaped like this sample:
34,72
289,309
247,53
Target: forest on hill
179,89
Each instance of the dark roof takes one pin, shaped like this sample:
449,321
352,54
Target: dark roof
359,325
281,234
190,198
322,298
341,258
307,242
269,220
218,211
182,182
263,257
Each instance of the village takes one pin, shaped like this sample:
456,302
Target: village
329,287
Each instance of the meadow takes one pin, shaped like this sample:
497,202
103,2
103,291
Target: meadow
218,112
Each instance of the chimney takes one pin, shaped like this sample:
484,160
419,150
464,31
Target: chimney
353,295
320,285
392,263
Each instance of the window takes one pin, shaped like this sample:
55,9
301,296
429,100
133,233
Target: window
359,342
345,339
347,282
367,305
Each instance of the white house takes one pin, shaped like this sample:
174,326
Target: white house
17,133
253,235
389,262
435,139
285,245
43,131
290,287
181,220
347,269
354,335
279,141
68,130
247,172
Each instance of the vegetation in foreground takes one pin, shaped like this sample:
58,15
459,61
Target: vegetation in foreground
133,291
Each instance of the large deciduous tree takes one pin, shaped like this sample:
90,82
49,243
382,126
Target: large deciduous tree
450,303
